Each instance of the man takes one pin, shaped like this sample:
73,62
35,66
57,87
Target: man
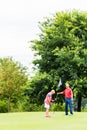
68,99
47,101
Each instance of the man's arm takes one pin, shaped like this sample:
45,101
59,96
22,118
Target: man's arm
59,93
71,95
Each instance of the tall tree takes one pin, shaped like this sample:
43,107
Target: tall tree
62,50
37,87
12,78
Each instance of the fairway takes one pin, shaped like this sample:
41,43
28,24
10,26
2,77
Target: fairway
38,121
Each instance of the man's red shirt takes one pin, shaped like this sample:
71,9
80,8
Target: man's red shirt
68,93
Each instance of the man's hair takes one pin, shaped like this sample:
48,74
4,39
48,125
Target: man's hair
67,84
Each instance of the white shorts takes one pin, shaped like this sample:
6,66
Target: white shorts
46,106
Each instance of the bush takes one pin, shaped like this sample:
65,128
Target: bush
30,107
57,107
85,108
3,106
35,107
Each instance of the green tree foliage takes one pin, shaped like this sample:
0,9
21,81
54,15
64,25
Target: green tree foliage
62,50
12,78
37,87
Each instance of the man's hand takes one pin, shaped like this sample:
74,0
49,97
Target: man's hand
72,99
58,93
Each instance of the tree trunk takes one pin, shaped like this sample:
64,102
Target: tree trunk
79,103
9,104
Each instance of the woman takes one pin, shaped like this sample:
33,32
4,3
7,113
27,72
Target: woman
47,101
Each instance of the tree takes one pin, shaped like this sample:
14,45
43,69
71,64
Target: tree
38,85
62,50
12,78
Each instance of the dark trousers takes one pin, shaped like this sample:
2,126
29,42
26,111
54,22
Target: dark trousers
68,103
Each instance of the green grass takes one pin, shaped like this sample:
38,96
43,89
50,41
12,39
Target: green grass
38,121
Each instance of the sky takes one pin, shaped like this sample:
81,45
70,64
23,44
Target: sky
19,24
